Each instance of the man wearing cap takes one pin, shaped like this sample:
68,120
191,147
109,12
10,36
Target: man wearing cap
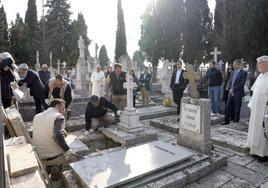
116,80
96,113
33,82
257,139
7,68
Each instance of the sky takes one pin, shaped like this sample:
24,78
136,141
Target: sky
100,17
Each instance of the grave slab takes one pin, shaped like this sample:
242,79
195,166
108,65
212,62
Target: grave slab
127,139
229,138
31,180
22,161
120,167
76,145
238,183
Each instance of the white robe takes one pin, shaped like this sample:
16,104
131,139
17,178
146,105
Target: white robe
258,105
98,80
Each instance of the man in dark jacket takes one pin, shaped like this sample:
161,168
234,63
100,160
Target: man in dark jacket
145,86
33,82
178,85
236,93
116,80
214,78
96,113
44,74
7,66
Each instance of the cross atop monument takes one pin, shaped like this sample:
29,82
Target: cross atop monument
64,64
129,85
215,53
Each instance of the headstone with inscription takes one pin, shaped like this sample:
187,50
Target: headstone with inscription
195,124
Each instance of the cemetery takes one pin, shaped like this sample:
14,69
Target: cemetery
203,127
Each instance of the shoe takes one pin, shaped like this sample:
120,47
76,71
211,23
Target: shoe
225,123
262,159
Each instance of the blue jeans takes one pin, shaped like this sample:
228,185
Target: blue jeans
214,96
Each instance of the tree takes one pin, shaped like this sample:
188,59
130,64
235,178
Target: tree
32,30
121,43
57,28
3,30
18,41
197,29
78,27
103,57
139,58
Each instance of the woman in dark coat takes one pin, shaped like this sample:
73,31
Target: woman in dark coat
226,81
136,81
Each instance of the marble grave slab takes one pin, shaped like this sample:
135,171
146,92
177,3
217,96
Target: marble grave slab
120,167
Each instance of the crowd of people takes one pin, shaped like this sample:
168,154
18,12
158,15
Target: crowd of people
54,96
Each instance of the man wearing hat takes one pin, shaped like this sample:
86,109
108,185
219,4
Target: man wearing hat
116,80
96,113
257,139
7,68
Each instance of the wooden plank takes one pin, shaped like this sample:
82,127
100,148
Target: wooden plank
22,161
7,123
32,180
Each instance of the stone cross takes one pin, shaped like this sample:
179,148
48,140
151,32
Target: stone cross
129,85
215,53
64,64
50,59
81,46
58,66
193,77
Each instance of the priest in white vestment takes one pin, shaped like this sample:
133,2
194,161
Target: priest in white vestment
98,80
257,139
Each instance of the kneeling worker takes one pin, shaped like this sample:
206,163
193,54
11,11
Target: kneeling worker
49,138
96,113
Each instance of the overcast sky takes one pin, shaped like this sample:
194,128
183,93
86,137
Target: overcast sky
101,19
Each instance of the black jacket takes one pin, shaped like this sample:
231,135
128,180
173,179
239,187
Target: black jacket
239,83
96,112
145,82
44,76
6,90
182,82
214,77
34,83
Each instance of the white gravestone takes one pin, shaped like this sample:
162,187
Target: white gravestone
50,68
81,70
123,166
215,54
37,65
195,124
130,121
125,61
58,66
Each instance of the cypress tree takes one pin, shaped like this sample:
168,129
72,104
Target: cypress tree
121,43
3,30
103,57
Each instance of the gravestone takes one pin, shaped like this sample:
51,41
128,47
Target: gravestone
120,167
37,65
195,124
50,68
81,70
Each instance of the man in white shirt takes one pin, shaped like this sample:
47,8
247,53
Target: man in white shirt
178,85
